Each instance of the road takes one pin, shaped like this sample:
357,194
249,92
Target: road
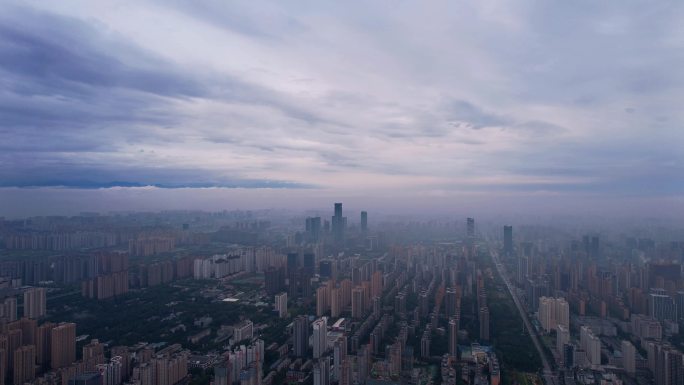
549,377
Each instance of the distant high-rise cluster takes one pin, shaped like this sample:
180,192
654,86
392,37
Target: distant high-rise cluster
112,280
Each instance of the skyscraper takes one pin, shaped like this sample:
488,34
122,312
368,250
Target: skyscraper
274,278
313,229
300,336
451,302
470,227
453,337
364,221
508,240
338,224
484,323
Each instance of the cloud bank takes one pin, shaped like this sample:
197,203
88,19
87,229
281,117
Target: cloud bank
431,99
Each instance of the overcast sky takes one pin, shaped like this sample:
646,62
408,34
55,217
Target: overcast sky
546,103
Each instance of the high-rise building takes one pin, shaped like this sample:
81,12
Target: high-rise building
470,227
93,354
591,344
313,229
320,337
569,356
243,331
357,302
24,364
552,312
111,372
669,367
393,353
323,299
425,345
281,304
300,338
523,268
44,344
364,221
508,240
562,338
321,371
8,309
274,279
292,275
310,263
453,337
484,323
63,345
363,363
339,224
335,302
629,357
345,372
339,356
29,328
304,283
662,307
34,302
451,302
125,358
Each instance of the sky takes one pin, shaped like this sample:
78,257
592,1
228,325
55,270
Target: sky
512,106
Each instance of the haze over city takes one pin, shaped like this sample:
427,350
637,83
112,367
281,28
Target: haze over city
341,193
404,106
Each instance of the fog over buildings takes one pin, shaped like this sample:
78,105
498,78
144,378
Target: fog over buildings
403,107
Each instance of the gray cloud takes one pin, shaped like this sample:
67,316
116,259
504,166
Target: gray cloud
535,97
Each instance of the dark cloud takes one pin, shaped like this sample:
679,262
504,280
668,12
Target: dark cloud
84,177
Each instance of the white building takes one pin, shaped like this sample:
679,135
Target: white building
552,312
281,304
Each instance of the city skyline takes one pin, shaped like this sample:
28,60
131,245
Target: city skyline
560,109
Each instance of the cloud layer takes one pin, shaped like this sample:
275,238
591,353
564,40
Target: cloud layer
438,98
